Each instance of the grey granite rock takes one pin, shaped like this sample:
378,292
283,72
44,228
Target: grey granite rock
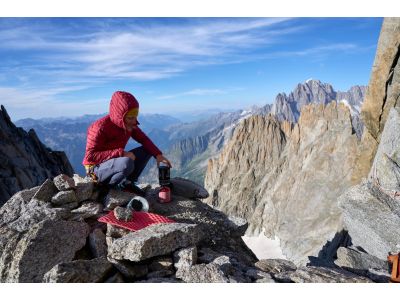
363,264
46,191
88,209
116,198
36,211
84,187
129,269
97,243
325,275
123,214
256,274
370,223
155,240
116,232
43,246
79,271
185,257
64,197
160,273
11,210
63,182
202,273
275,265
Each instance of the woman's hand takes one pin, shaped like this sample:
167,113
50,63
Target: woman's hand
130,155
160,158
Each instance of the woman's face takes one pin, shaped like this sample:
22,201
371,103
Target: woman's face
130,123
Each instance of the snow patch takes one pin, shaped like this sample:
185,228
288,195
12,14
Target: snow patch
264,247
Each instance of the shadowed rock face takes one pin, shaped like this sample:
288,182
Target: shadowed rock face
24,161
286,179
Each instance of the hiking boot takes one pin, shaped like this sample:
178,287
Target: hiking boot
130,187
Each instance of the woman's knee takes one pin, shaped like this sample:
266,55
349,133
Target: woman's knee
126,165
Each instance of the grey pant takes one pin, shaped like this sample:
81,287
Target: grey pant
115,170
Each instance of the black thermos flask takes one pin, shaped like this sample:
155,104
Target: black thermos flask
163,174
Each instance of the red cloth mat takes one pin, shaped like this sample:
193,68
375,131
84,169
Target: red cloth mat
139,221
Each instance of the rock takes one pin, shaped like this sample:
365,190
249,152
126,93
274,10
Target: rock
256,274
155,240
64,197
275,265
363,264
46,191
385,169
160,280
291,170
185,257
202,273
25,162
116,198
163,263
97,243
378,99
88,209
187,188
325,275
64,182
116,232
129,269
36,211
123,214
355,259
70,206
11,210
116,278
79,271
371,224
84,187
265,280
43,246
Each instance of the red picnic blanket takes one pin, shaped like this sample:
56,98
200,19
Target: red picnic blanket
139,220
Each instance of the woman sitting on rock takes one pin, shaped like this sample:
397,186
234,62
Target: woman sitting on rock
106,159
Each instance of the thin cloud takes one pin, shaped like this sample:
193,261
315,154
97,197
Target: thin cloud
195,92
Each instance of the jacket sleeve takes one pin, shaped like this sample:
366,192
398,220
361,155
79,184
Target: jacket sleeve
139,136
94,145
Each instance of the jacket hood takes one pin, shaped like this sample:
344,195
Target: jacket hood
120,104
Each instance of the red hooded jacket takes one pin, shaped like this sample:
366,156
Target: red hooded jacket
107,137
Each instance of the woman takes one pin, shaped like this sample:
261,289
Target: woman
106,159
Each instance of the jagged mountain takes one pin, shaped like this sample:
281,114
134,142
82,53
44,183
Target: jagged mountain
24,161
288,181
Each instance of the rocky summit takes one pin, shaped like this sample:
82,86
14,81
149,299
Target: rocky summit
46,241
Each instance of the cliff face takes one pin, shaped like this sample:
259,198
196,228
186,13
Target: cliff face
285,179
24,161
383,94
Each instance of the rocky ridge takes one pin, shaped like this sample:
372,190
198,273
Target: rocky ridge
24,161
46,241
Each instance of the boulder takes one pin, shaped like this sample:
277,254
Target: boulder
202,273
362,263
116,278
38,250
36,211
185,257
155,240
64,182
275,265
256,274
46,191
84,187
123,214
64,197
162,263
97,243
129,269
88,209
116,198
325,275
371,224
187,188
79,271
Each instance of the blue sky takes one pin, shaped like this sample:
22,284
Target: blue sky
71,66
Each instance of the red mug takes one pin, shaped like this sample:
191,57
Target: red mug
164,195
